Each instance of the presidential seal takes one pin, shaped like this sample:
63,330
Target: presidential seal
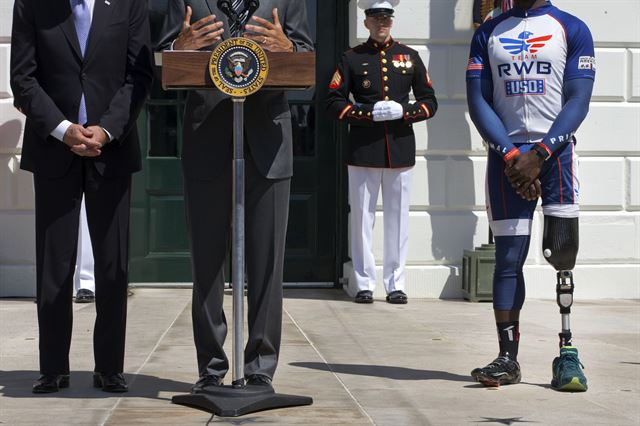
238,67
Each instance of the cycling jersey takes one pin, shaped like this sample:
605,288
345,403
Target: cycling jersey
528,55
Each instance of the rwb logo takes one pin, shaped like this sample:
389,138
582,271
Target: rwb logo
524,43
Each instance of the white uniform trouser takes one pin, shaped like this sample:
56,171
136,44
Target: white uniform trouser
364,185
84,277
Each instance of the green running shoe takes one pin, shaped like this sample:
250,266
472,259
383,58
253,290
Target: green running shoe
567,371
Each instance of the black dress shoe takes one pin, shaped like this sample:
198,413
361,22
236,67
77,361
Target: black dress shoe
364,296
114,382
206,381
258,380
49,383
85,296
397,297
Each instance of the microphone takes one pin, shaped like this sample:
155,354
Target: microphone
252,6
226,8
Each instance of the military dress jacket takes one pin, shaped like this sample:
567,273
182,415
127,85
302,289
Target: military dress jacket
374,72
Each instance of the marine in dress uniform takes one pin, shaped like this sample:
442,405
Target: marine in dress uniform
380,74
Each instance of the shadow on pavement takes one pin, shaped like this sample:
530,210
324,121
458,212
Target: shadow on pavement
395,373
17,384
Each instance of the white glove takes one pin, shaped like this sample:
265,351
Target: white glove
387,110
395,110
378,111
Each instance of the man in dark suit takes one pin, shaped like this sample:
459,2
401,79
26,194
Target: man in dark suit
80,72
279,26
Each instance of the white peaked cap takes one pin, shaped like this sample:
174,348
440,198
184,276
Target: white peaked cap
377,4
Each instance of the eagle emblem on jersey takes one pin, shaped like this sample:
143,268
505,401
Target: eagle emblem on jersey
524,43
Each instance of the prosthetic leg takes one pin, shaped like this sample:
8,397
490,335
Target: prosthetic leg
560,249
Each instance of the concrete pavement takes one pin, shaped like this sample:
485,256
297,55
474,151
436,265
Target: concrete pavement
362,364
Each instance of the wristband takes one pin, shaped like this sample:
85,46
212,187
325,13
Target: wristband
541,152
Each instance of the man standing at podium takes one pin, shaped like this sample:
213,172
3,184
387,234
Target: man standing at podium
278,26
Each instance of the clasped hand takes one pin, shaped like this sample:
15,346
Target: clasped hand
85,142
387,110
522,173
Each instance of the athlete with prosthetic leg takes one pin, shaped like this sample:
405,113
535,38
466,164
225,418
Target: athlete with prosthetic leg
529,81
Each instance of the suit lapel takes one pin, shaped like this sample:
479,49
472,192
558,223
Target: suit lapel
220,16
69,29
101,17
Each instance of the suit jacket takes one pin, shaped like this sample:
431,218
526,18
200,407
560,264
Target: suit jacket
49,76
208,118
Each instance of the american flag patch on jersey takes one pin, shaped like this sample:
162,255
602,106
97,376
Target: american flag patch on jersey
474,64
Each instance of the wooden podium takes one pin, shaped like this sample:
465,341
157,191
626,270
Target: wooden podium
188,69
286,71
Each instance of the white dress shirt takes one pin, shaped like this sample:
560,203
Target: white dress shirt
62,128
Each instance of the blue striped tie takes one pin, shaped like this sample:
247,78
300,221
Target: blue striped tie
82,21
237,7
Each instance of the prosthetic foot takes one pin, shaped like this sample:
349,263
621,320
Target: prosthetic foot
560,244
567,368
567,371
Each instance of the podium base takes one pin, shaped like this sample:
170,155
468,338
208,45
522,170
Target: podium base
227,401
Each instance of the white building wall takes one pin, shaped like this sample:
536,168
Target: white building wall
17,227
448,214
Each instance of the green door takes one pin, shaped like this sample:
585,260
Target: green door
316,234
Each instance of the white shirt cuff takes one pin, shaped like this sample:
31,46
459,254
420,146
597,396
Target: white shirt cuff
108,134
59,131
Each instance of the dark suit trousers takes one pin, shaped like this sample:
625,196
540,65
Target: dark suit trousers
209,216
57,217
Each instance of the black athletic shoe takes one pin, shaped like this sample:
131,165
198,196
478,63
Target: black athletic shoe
501,371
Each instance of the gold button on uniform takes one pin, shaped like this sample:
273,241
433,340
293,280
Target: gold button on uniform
386,78
383,53
386,88
386,98
384,69
384,61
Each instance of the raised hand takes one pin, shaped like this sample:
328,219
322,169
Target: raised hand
270,36
202,33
